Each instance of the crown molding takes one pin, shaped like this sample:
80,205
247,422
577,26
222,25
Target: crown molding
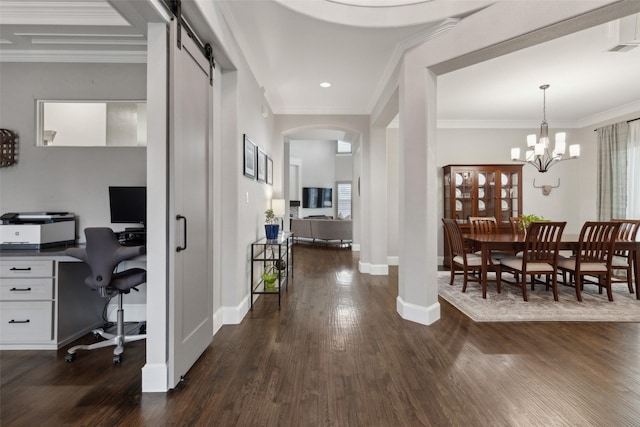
614,113
59,13
503,124
319,111
79,56
91,41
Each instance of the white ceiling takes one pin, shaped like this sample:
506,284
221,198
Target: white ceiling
292,46
74,30
291,51
588,83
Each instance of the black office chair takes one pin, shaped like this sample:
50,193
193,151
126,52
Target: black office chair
103,253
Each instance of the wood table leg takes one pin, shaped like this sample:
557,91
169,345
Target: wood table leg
636,272
485,261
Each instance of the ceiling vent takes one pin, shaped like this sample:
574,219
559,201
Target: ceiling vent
628,34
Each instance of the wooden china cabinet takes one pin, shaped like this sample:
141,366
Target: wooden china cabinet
481,190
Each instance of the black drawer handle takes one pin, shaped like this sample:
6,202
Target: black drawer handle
19,321
20,289
20,269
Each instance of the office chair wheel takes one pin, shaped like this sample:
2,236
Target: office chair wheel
117,359
70,357
96,333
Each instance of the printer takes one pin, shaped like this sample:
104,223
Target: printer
37,230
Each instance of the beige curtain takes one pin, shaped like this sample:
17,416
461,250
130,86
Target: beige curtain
612,171
633,172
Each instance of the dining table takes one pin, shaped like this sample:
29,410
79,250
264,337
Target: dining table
488,242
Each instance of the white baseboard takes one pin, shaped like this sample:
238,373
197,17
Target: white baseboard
379,270
154,378
218,319
373,269
355,247
393,260
234,315
418,313
364,267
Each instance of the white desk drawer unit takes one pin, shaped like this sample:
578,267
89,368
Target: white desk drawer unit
27,301
26,268
23,289
26,321
44,303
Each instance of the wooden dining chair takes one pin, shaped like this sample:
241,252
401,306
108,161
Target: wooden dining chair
515,221
483,224
462,257
539,258
593,257
622,258
487,225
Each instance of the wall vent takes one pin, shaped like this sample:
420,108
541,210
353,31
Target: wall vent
628,34
622,48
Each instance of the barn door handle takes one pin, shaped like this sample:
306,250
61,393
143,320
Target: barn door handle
184,227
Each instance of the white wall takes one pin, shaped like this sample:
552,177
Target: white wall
288,124
344,167
393,194
74,179
244,200
318,167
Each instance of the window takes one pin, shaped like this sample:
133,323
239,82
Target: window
618,177
343,189
344,147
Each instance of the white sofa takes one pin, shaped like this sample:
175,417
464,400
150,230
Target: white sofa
326,230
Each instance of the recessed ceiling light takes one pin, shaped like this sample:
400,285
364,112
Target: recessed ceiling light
325,84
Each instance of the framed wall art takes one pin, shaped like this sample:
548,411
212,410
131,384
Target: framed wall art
262,165
249,158
269,170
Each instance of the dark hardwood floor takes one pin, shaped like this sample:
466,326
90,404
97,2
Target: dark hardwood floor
338,354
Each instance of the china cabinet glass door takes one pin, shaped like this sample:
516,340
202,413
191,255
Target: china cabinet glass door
464,195
486,195
509,194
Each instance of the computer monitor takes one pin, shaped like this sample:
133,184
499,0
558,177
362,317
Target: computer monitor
128,205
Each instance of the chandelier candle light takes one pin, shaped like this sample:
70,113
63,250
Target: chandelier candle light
538,153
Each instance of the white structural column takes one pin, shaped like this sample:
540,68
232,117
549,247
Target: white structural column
378,201
364,265
417,278
155,371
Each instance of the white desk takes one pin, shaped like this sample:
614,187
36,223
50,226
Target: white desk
44,303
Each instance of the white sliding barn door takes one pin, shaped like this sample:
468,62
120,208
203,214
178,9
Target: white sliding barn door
190,129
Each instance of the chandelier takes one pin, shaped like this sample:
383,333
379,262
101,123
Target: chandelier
538,151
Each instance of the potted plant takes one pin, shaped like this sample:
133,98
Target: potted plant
269,276
526,221
271,227
272,268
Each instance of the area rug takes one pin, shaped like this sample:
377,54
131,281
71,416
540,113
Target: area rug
508,306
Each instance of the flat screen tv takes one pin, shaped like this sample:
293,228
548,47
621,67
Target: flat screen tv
128,205
316,197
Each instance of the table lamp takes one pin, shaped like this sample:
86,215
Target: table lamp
278,207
